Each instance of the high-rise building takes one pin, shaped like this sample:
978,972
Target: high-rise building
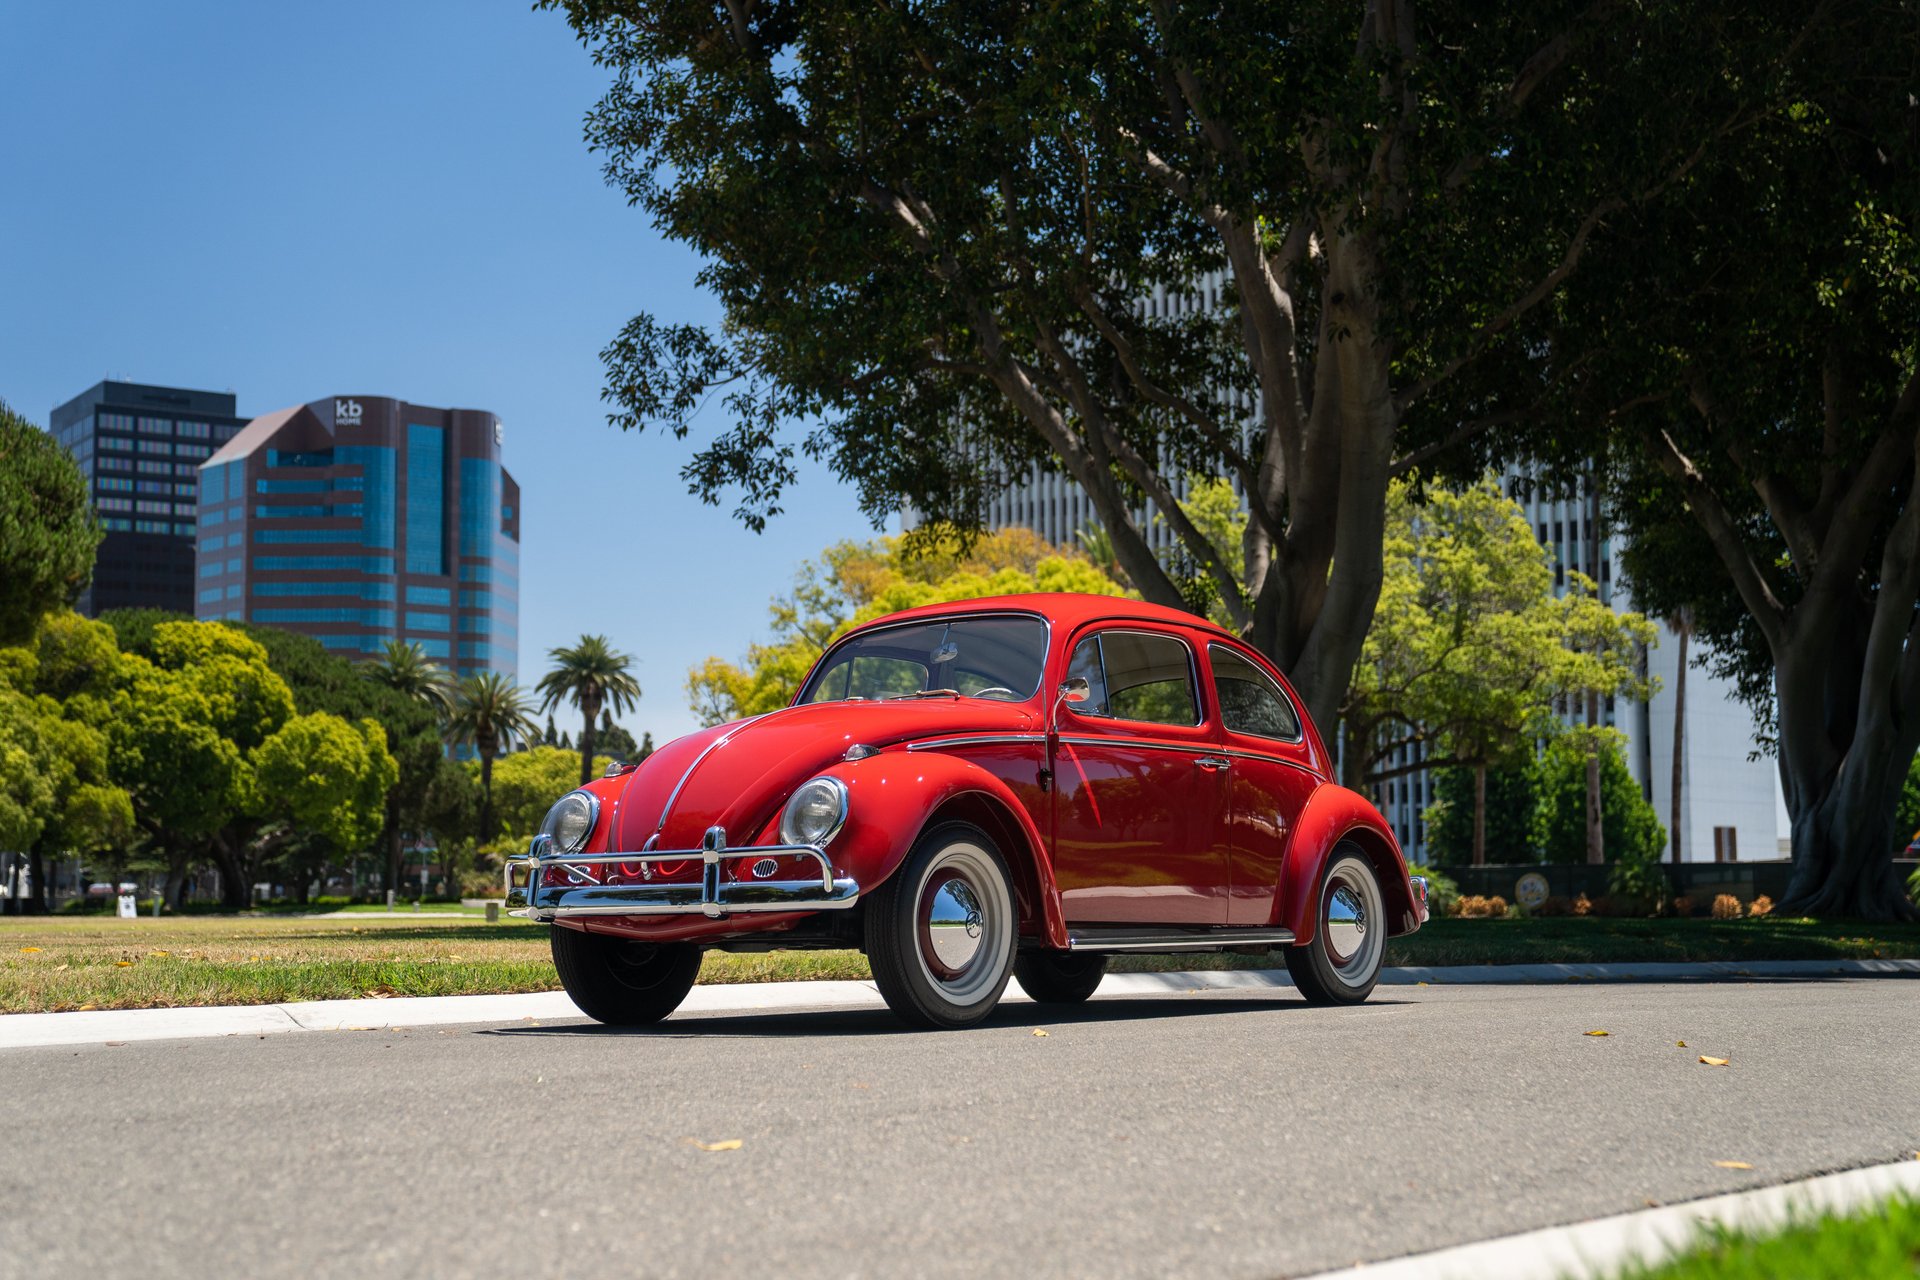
140,448
362,519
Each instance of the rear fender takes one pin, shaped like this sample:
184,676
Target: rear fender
895,796
1333,815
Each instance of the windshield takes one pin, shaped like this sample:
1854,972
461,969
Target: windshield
981,657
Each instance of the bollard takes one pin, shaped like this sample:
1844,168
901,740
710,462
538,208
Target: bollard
389,899
493,913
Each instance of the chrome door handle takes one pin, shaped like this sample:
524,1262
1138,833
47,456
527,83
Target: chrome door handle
1212,762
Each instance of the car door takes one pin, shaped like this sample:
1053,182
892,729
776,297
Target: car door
1138,786
1268,782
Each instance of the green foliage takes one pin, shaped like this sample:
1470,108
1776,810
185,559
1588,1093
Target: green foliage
1632,830
1469,648
48,532
1906,820
592,675
1509,818
526,783
327,777
1215,510
405,668
853,583
1877,1241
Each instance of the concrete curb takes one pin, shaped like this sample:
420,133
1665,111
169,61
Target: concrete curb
46,1030
1603,1246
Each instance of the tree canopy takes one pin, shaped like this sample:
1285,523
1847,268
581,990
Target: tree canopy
855,582
48,532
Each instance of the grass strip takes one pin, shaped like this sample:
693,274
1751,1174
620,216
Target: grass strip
1878,1243
55,964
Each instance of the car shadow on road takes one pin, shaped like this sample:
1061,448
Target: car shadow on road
881,1022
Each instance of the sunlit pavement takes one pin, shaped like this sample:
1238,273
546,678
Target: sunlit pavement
1212,1133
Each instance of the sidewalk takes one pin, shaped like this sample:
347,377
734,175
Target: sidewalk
43,1030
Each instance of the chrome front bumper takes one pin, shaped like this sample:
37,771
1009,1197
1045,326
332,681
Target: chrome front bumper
1419,884
529,896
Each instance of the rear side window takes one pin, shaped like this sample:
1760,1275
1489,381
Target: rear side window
1250,702
1137,675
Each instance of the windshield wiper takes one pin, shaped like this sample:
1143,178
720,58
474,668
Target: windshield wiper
925,693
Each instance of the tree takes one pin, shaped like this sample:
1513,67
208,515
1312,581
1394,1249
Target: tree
1761,384
490,714
1471,651
404,669
591,675
614,742
855,582
982,206
48,532
1502,795
323,781
1634,832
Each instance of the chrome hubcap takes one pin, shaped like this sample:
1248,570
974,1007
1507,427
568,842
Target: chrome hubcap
954,925
965,915
1352,920
1346,923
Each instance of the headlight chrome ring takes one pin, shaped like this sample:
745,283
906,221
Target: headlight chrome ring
815,812
571,821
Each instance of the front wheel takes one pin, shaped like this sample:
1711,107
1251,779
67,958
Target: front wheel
622,982
1342,963
941,930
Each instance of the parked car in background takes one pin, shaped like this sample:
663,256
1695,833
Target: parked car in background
1013,787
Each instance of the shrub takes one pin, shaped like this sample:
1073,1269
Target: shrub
1760,906
1913,884
1726,907
1681,906
1583,905
1475,907
1638,876
1496,906
1442,892
1554,906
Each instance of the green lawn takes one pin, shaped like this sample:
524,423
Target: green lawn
1881,1243
99,962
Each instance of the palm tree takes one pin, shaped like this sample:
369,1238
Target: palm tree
405,668
489,712
590,675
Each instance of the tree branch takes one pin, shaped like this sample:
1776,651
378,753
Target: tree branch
1712,516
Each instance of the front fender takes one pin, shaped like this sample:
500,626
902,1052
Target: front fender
1334,814
892,797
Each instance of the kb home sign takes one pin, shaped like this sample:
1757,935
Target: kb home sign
346,413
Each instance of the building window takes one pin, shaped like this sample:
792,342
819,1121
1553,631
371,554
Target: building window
376,483
235,565
434,648
155,446
306,535
426,500
210,569
476,623
479,505
210,596
381,618
430,595
365,564
312,458
194,430
155,427
375,591
1726,844
426,620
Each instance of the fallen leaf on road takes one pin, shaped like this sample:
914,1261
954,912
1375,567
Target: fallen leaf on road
1731,1164
29,949
729,1144
116,1044
1681,1044
1037,1031
87,1008
123,964
1596,1033
1713,1062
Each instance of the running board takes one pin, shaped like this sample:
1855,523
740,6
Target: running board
1126,938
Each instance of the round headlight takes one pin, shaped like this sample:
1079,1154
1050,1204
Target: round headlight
571,820
815,813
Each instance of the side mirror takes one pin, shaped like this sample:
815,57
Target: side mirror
1075,689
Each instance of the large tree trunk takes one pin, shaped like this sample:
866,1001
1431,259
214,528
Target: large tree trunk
589,708
36,902
1480,815
1596,830
1843,847
486,794
236,877
1683,626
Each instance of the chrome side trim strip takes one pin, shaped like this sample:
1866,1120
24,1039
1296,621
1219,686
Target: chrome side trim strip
975,739
1191,748
1176,940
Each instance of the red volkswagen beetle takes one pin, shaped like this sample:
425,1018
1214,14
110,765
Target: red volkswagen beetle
1012,787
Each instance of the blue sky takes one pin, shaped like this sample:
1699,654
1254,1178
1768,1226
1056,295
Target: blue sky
296,201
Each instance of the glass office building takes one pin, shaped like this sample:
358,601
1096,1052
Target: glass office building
140,448
362,519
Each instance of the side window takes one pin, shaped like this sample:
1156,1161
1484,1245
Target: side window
1249,701
1144,677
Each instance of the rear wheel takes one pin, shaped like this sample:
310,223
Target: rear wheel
1059,977
622,982
1342,963
940,931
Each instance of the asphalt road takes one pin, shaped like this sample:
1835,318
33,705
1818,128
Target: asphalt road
1206,1134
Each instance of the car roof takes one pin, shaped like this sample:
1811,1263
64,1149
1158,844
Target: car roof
1068,608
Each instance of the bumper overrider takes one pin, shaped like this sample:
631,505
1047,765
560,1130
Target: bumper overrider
530,895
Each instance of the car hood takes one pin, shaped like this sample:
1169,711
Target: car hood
737,775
